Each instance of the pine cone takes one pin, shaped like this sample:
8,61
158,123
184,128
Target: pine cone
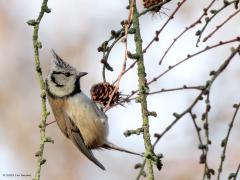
101,93
148,3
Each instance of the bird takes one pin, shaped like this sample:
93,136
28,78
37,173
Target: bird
79,118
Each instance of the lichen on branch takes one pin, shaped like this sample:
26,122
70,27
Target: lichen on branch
143,89
42,126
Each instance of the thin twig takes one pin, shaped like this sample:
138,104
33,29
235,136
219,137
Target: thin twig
236,173
199,97
52,122
198,21
105,58
209,83
201,146
36,45
237,39
209,19
130,67
225,140
195,54
163,90
117,36
126,27
220,25
205,118
141,171
156,37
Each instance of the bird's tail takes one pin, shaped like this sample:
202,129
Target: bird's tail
117,148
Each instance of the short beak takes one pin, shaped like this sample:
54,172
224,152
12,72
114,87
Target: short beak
81,74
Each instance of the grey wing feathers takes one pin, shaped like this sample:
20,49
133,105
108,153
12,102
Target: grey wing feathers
98,109
75,135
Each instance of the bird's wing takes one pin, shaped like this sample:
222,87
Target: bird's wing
75,135
98,109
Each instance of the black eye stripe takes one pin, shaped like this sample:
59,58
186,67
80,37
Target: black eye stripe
57,72
64,73
55,82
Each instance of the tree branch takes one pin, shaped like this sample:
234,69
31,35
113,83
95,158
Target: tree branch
42,126
225,140
143,88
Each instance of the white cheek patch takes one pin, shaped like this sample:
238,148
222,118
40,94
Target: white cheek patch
61,79
62,88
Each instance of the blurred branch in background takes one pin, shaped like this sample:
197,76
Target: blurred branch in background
198,21
42,126
214,13
143,91
225,143
233,176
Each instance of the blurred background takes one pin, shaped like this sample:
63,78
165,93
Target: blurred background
74,29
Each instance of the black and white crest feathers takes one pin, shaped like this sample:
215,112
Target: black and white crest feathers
59,62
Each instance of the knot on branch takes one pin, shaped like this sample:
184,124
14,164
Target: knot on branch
176,115
133,56
131,31
115,34
47,9
106,64
32,22
137,131
49,139
155,158
232,176
152,113
38,153
42,161
104,47
38,69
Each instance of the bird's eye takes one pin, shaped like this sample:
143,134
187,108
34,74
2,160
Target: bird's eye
68,74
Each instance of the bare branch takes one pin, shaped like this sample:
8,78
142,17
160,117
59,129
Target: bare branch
224,142
37,45
198,21
220,25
